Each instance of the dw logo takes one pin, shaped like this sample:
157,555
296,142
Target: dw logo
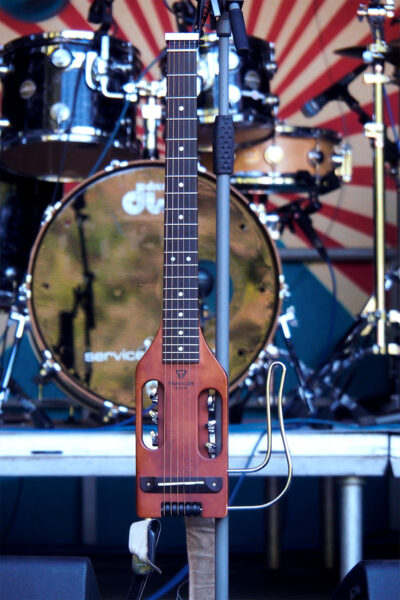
181,373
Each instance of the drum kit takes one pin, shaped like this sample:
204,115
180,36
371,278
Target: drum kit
83,274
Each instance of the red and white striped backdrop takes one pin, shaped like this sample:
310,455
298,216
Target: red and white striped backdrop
306,33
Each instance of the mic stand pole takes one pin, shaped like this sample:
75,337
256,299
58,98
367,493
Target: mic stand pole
222,293
230,17
376,15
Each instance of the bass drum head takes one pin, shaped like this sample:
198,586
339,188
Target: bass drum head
95,281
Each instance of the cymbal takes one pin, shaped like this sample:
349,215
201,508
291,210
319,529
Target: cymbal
392,55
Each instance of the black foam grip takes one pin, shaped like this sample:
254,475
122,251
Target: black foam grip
223,145
239,31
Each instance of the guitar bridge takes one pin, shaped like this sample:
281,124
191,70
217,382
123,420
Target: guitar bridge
181,509
176,485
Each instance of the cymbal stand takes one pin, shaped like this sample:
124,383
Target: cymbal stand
376,13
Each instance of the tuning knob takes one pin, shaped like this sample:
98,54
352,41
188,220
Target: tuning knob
154,416
212,449
211,426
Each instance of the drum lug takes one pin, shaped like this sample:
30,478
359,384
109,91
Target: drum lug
48,366
344,160
49,212
284,291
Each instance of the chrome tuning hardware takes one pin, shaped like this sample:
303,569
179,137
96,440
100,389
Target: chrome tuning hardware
154,438
153,413
211,445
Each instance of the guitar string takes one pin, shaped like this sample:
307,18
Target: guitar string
179,192
193,93
168,307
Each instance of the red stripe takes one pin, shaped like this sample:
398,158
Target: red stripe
320,42
163,14
307,17
141,20
358,222
18,26
253,16
73,19
362,176
279,21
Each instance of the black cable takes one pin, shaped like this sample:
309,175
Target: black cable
15,509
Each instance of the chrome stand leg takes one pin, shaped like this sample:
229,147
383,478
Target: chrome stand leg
328,521
272,516
350,523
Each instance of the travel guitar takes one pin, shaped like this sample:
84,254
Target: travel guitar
181,464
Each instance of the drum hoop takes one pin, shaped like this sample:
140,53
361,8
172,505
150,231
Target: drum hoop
65,380
298,131
73,36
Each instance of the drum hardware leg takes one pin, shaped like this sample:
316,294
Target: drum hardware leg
306,394
18,317
295,213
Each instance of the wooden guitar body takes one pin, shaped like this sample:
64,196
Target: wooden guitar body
183,431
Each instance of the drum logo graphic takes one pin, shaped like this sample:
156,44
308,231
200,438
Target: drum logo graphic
146,196
123,355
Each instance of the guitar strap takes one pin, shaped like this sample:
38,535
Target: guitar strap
143,538
200,543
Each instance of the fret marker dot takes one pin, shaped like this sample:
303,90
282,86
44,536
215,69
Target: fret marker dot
188,259
180,314
180,332
181,184
180,294
181,108
173,259
180,348
180,217
180,148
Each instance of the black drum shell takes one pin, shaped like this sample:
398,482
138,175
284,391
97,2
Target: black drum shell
34,144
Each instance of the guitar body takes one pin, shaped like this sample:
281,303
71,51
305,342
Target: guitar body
183,415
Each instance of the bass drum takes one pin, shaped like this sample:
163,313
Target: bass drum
95,282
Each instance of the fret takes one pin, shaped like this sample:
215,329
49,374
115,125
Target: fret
187,319
181,139
182,251
178,176
181,238
181,192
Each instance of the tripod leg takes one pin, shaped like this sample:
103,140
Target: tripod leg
20,320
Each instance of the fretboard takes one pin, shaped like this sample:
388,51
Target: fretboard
180,303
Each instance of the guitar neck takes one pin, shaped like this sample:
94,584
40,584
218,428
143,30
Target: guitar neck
180,301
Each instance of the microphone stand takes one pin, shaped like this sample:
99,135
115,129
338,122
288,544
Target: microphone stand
376,14
229,17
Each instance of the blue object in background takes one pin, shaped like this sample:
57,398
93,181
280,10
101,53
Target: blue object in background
33,10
